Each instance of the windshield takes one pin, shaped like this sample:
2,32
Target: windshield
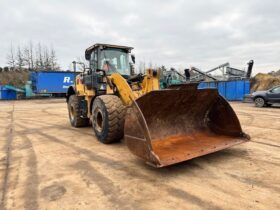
114,60
276,90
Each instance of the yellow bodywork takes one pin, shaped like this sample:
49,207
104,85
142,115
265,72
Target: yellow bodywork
121,87
162,127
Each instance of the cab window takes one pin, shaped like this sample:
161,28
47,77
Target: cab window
93,60
114,60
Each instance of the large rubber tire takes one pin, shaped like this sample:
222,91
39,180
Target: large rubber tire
75,113
259,102
108,113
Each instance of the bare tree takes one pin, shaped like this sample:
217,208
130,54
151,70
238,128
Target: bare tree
11,57
31,56
44,57
28,56
19,59
39,63
53,60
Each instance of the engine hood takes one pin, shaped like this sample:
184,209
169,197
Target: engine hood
261,92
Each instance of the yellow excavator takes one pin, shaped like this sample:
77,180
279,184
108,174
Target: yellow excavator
163,127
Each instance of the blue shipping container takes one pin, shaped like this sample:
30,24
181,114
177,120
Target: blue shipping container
7,94
51,82
231,90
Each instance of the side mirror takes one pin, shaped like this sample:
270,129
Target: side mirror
133,58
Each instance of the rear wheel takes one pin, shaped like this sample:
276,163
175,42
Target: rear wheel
259,102
75,113
108,113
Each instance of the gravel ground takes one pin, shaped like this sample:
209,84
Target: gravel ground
46,164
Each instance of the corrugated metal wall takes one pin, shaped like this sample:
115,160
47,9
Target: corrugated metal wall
51,82
231,90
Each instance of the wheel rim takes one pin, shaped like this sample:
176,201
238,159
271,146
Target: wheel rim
98,121
259,102
72,112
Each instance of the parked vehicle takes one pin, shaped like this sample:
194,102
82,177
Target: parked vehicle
267,97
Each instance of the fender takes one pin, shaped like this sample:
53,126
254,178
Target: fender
70,91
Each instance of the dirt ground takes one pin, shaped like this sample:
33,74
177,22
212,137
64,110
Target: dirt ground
46,164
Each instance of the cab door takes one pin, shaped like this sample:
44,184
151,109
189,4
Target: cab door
274,95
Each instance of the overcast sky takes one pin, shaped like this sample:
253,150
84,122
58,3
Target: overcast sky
175,33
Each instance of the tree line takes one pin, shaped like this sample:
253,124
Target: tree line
31,57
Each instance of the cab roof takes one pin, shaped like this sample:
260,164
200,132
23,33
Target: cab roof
99,45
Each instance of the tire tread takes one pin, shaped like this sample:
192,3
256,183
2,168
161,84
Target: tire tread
116,113
79,121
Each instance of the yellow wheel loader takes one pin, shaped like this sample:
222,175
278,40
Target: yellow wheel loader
162,127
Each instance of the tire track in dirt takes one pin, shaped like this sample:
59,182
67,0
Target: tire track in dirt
13,185
225,152
239,156
251,119
9,140
112,192
175,192
45,111
250,116
267,144
77,130
259,183
32,180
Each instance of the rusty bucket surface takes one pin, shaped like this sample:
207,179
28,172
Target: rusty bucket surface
165,127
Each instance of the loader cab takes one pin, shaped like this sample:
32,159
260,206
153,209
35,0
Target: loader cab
110,59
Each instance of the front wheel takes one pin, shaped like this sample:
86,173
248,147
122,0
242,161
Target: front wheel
75,113
108,113
259,102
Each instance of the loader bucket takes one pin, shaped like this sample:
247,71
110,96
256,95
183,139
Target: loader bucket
169,126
